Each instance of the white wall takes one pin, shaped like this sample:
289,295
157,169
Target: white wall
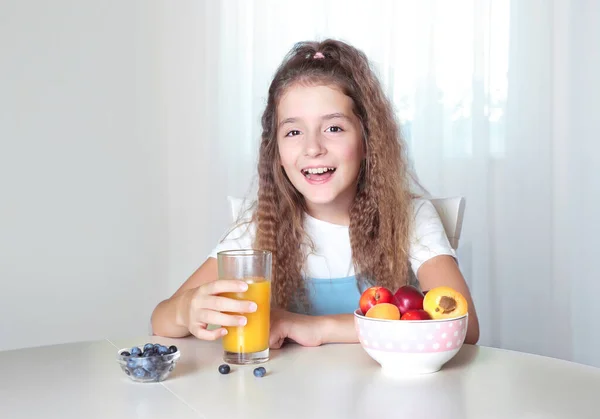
584,179
205,111
83,224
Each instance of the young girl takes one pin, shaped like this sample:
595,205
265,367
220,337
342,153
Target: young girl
334,206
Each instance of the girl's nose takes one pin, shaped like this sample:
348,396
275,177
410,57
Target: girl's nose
314,145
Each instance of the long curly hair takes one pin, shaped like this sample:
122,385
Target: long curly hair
380,216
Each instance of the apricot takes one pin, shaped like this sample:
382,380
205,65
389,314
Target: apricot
386,311
445,303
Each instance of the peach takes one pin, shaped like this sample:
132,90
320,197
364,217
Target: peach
386,311
445,303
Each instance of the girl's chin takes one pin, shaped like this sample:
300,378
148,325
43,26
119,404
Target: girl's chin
322,199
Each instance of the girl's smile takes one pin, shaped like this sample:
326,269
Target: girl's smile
318,175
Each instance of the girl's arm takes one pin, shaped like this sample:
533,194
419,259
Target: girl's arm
306,330
167,317
339,328
443,270
311,330
197,303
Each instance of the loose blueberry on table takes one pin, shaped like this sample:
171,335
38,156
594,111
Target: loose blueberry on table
260,372
224,369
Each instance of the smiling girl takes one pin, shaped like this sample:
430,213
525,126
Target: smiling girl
334,207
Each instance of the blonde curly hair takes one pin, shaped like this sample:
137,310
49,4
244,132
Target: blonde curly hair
380,216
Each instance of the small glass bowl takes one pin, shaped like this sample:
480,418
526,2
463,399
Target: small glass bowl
147,369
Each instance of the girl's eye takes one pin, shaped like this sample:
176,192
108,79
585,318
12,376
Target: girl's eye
334,129
293,133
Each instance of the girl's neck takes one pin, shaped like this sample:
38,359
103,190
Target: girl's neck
337,212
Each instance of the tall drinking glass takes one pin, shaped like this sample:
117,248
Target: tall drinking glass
248,344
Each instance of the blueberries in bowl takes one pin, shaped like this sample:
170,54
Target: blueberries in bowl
153,363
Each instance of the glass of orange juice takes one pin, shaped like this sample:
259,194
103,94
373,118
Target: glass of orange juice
248,344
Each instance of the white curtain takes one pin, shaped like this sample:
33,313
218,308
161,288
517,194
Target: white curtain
497,99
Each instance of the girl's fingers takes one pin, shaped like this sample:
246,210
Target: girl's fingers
223,285
217,303
222,319
276,343
202,333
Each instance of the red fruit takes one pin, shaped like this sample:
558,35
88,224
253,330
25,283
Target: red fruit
409,298
416,315
375,295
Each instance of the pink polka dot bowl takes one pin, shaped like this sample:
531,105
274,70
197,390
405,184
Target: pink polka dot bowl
409,347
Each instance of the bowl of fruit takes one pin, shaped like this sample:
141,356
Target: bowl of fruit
410,332
152,363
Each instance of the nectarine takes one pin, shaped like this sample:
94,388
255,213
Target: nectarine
408,298
373,296
416,315
445,303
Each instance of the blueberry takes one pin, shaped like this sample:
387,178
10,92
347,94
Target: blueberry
135,351
149,364
139,372
224,369
260,372
172,349
148,347
149,353
125,353
132,363
163,350
167,368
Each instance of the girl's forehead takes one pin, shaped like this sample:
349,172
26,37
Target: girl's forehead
305,100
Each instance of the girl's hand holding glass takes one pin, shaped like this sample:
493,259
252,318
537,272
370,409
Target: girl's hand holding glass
203,305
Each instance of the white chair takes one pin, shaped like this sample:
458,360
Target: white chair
451,211
235,205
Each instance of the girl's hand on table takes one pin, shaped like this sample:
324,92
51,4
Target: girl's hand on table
302,329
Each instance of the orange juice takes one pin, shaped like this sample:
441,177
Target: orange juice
254,336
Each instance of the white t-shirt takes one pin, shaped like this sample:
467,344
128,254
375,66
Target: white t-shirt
329,272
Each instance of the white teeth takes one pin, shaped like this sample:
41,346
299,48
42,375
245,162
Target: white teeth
318,170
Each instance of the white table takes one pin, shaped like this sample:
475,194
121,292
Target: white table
83,380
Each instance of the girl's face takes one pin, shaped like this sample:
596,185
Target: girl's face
320,146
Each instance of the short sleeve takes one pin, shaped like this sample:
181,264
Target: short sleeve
428,238
239,237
